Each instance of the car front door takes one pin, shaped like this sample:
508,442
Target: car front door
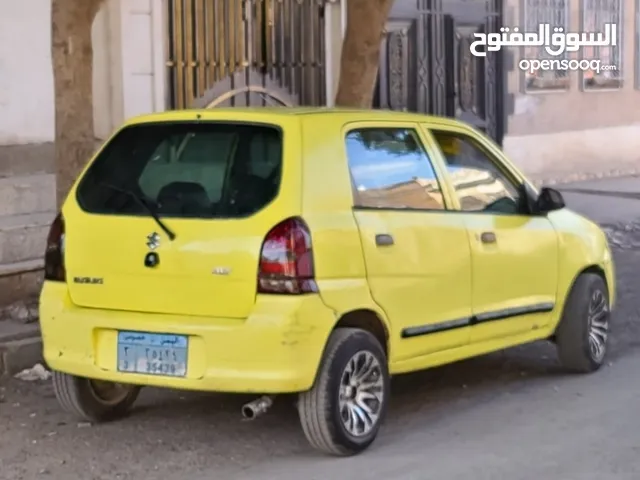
417,254
514,255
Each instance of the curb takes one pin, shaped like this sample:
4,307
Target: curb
564,178
20,351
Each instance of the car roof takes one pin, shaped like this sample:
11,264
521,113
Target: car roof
237,114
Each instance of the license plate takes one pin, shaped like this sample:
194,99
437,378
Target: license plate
153,354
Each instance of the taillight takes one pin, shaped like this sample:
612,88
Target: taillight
286,260
54,254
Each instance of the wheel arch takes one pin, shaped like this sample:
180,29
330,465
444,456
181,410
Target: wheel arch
368,320
592,268
362,318
596,269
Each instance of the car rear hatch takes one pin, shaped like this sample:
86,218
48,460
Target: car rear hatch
215,188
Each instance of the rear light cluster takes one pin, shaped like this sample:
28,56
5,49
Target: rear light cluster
54,253
286,260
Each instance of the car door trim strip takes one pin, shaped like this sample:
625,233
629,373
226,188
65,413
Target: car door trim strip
503,314
435,327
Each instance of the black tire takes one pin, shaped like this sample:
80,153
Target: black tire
572,335
319,407
78,396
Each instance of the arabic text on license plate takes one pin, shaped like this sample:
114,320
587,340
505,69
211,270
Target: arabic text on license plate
153,354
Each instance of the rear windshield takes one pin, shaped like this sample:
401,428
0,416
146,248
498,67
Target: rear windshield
202,170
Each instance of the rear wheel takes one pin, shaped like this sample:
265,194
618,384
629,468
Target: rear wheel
583,332
342,413
93,400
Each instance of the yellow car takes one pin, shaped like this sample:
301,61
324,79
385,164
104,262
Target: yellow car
311,251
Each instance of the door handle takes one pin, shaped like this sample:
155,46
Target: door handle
384,240
488,237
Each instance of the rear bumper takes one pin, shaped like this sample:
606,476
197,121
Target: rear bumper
277,349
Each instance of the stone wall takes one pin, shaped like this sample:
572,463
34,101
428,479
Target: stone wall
27,207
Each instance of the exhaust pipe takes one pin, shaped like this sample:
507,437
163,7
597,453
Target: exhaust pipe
253,410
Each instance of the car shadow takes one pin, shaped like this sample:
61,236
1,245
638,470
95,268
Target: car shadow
431,392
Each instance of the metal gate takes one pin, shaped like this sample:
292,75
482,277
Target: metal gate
426,65
246,52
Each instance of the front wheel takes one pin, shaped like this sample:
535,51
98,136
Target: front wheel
583,332
342,413
93,400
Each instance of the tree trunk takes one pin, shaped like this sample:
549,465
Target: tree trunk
72,54
360,58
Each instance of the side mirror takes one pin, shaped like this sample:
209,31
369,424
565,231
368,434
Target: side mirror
549,200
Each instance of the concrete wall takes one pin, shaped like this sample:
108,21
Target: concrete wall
128,67
128,80
26,80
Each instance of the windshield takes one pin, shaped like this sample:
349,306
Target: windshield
201,170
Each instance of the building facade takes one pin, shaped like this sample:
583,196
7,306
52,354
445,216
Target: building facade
152,55
554,124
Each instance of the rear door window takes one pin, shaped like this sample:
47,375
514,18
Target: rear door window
201,170
391,170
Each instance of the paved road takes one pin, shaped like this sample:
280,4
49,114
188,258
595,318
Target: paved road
512,415
551,427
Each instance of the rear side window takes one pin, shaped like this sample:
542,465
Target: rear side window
391,169
201,170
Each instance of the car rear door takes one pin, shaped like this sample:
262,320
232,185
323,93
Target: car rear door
417,254
218,186
514,255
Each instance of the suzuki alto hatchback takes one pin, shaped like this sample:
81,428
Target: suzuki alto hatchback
309,251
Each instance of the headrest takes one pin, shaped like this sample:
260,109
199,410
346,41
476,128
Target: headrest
178,197
449,144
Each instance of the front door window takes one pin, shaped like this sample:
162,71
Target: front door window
480,184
